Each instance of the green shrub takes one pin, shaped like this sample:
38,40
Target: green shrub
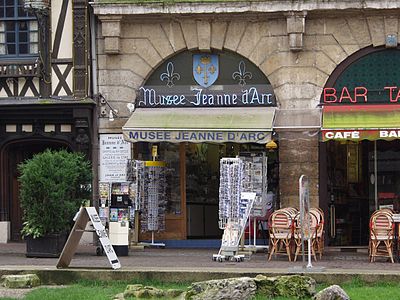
53,185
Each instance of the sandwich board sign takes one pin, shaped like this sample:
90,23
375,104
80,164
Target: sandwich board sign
85,215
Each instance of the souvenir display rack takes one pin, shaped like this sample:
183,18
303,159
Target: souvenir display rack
255,180
152,201
148,192
255,170
234,208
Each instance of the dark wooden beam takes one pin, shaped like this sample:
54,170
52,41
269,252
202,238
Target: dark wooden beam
80,84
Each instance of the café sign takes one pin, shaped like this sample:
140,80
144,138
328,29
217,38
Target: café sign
358,135
197,96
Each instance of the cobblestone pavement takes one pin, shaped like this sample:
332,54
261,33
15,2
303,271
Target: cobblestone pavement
12,256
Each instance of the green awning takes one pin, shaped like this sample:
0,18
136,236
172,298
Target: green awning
358,122
361,116
197,125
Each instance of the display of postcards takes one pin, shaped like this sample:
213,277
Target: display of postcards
120,188
231,177
104,190
103,214
123,214
151,197
130,170
116,188
258,159
125,188
131,214
113,214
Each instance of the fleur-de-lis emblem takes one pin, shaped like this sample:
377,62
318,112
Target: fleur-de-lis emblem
170,76
242,75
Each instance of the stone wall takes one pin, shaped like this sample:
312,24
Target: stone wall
131,46
296,76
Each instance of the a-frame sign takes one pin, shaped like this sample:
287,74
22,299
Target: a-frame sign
86,214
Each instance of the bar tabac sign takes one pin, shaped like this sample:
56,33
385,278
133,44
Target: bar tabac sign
360,95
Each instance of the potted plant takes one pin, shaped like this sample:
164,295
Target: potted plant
53,185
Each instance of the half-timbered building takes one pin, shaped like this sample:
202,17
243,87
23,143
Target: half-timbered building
45,90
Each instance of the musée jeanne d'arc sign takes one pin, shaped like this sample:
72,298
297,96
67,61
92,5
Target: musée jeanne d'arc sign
206,80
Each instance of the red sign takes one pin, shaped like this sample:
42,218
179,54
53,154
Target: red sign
357,95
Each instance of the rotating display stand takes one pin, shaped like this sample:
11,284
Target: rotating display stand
255,180
148,191
234,208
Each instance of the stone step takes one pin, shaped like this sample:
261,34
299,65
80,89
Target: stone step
20,281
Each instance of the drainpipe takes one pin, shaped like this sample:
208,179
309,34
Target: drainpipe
95,91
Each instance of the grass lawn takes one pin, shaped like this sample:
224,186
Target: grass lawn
97,290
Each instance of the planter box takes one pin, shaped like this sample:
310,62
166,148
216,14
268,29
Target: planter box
47,246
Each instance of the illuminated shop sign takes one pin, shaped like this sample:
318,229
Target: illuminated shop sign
384,134
197,96
198,136
359,95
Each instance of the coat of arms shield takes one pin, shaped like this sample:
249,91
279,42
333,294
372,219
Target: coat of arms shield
205,69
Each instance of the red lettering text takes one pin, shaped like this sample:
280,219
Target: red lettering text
345,95
330,93
360,91
391,89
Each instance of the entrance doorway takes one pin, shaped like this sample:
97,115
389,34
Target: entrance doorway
203,180
192,185
13,155
361,177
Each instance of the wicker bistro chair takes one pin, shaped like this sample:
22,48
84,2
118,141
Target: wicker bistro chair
320,237
381,236
281,233
313,234
379,211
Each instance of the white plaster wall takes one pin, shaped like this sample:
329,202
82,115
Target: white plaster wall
66,46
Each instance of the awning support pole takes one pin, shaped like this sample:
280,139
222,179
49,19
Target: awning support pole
376,175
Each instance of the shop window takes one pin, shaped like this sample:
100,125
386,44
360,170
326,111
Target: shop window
19,35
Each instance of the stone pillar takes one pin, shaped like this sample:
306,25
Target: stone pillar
298,155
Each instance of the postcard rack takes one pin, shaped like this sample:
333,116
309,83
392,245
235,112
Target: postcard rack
255,180
234,208
148,192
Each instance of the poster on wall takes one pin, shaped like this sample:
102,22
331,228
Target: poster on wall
114,154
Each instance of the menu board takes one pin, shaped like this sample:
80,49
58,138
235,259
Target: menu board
114,154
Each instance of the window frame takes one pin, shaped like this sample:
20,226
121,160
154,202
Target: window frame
16,20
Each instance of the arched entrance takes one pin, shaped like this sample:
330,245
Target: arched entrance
197,108
361,143
12,155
